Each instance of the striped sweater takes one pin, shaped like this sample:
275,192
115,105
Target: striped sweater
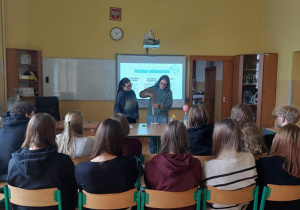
230,171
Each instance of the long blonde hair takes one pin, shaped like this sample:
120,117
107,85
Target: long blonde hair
252,139
287,145
73,127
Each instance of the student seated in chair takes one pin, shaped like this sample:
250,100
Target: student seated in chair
231,168
283,165
131,146
38,165
199,132
108,171
174,169
73,142
283,115
12,133
252,139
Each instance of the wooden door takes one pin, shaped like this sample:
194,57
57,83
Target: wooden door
227,86
209,100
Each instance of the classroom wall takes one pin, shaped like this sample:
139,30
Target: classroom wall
280,34
80,29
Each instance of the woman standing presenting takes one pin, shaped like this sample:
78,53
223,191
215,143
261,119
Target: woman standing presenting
126,101
161,100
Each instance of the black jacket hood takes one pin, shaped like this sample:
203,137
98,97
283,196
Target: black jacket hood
31,163
15,120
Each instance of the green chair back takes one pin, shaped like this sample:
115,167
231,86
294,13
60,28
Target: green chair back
2,184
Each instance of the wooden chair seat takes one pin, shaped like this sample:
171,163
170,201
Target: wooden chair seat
279,193
164,199
108,201
261,156
230,197
203,158
32,198
2,184
80,159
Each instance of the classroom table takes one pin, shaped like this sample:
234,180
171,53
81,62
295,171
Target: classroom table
89,127
147,130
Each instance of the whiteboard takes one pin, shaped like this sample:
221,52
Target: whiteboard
79,79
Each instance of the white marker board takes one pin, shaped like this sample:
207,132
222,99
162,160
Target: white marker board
79,79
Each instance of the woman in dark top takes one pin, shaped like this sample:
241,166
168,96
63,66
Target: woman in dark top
107,171
200,133
38,165
126,101
283,165
131,146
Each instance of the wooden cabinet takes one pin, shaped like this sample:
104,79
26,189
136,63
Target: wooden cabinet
22,62
254,83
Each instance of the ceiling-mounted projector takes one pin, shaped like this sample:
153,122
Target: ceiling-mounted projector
150,41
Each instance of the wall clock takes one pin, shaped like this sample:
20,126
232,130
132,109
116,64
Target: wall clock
116,33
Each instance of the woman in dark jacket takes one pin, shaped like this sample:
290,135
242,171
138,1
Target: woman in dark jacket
108,171
126,101
200,133
174,169
131,146
38,165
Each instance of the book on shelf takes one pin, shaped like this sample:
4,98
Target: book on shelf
29,75
26,77
32,74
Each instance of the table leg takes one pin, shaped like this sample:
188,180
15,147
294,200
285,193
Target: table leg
158,145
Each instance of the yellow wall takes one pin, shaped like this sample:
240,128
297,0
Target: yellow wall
80,29
2,72
280,33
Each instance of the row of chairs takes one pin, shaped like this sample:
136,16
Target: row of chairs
151,198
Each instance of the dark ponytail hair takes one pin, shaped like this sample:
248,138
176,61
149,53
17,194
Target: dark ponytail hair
122,83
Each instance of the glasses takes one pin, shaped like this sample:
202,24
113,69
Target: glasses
163,84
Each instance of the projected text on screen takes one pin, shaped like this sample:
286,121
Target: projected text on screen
144,75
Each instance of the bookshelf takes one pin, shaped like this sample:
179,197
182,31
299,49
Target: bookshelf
254,80
24,72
